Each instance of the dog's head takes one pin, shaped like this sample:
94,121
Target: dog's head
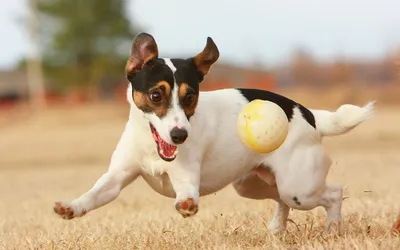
167,90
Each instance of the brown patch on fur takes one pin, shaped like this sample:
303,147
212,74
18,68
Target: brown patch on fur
144,48
189,109
140,99
207,57
187,207
266,175
165,88
143,102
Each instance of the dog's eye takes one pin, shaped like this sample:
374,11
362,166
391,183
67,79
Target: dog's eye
155,97
189,99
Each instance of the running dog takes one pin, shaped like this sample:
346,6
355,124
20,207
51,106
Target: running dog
183,142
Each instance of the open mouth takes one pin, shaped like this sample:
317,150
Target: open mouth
166,151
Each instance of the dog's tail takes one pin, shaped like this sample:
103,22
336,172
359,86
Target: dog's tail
344,119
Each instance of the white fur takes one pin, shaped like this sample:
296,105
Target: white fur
213,157
343,120
176,115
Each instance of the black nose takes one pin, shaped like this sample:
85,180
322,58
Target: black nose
178,135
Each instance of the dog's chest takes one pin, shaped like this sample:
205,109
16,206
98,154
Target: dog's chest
146,153
151,162
160,183
154,165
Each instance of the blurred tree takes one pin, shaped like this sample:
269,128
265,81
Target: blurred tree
84,41
304,68
397,62
340,72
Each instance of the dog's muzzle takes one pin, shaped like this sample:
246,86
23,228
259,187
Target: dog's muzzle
178,135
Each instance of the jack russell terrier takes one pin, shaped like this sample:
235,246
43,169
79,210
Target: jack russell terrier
183,142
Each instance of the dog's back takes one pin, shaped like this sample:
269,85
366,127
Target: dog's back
213,132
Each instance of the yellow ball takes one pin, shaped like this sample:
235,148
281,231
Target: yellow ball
262,126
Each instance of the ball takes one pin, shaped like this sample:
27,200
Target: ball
262,126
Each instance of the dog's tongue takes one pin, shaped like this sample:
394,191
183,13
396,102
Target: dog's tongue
166,149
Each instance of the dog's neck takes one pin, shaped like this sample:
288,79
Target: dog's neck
136,116
138,119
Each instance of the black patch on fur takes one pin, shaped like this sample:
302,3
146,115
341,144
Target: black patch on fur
157,70
285,103
296,200
153,72
186,72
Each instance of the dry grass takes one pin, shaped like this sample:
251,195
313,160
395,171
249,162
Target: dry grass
59,154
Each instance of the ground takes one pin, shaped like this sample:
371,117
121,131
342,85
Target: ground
60,153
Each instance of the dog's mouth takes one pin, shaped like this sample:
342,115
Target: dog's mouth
166,151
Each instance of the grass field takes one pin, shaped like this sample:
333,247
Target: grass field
60,153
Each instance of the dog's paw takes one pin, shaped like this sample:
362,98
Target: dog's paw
68,211
187,207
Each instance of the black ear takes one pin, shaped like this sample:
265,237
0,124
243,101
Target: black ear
205,59
144,48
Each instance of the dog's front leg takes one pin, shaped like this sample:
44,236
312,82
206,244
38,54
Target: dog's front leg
122,171
185,179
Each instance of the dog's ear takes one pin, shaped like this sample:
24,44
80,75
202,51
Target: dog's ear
144,48
205,59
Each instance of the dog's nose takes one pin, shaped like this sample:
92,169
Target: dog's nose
178,135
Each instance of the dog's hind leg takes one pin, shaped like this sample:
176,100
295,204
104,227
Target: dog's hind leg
253,186
303,187
331,200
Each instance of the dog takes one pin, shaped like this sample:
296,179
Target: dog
183,142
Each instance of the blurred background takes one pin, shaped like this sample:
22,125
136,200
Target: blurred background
70,52
63,107
62,63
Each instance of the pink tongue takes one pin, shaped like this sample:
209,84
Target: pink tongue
167,149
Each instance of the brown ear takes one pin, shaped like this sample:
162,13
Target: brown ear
207,57
144,48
